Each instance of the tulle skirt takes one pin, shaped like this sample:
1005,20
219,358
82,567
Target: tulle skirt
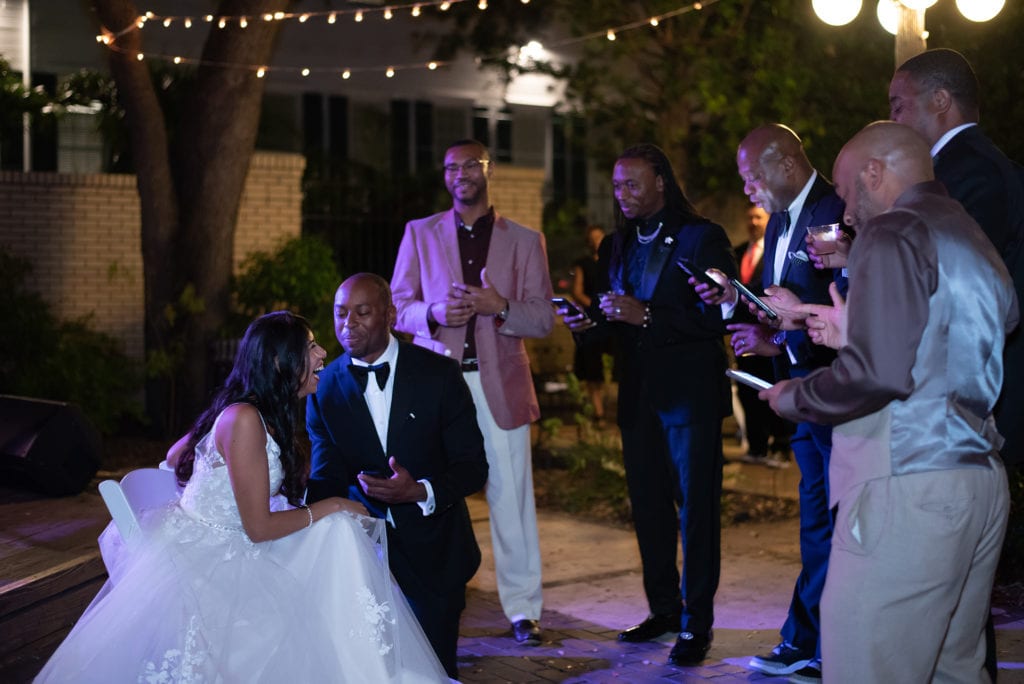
196,602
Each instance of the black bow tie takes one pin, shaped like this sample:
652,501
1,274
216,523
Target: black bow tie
361,374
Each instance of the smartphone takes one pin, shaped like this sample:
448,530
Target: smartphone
563,303
697,273
381,474
768,311
748,379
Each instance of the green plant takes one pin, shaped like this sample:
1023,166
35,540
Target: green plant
300,276
45,358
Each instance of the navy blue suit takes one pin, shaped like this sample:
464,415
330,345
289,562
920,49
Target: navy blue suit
811,443
433,433
673,394
991,188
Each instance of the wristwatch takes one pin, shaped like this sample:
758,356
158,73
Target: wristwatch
503,314
779,338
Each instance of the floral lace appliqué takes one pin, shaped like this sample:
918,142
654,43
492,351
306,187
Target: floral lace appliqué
176,665
377,620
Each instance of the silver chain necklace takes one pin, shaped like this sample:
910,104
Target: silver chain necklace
647,239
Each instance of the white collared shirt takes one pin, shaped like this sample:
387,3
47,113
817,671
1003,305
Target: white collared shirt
947,136
378,401
782,244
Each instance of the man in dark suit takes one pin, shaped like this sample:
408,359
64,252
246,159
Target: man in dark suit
936,94
760,423
393,426
673,392
778,176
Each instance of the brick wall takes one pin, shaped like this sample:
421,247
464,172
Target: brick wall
515,193
81,234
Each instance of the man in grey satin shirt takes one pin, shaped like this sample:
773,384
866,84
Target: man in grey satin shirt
921,492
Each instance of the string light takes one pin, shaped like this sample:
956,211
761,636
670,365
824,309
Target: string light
243,22
109,38
416,9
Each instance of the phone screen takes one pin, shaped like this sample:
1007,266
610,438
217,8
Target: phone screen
563,303
702,277
743,290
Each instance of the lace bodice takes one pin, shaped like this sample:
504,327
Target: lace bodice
208,496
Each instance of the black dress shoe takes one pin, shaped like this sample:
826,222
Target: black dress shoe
651,628
690,648
526,632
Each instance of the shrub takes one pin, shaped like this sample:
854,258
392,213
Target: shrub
45,358
301,277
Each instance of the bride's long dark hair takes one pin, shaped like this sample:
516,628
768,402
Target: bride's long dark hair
271,364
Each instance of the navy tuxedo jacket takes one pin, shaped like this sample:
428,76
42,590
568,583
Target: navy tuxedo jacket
432,432
678,362
800,276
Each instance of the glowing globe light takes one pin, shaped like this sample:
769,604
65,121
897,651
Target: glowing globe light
980,10
888,12
836,12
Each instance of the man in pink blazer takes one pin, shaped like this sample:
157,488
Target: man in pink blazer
471,285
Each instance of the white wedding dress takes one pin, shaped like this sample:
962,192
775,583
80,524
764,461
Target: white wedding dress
197,601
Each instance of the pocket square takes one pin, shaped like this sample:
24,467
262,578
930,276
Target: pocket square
412,415
799,256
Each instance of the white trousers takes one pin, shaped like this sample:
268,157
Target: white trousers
910,577
513,514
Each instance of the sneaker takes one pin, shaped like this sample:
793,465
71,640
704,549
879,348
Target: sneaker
783,660
808,674
753,458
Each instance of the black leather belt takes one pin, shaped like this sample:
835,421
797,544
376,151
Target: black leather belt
470,365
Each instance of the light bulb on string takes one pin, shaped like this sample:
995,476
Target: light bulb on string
415,10
654,21
222,23
177,60
610,35
140,56
243,22
305,72
188,22
346,74
167,22
261,72
208,18
279,15
390,73
387,13
444,6
303,18
432,66
359,16
482,4
332,18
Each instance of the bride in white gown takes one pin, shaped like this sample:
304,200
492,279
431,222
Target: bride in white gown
222,588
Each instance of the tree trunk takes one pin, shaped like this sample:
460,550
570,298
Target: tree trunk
189,196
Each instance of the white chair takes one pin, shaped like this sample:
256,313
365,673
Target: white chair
137,491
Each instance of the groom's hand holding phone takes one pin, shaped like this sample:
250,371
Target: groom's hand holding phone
395,487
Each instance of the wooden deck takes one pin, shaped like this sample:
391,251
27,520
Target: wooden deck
50,569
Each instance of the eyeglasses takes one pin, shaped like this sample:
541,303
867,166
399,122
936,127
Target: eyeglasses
469,166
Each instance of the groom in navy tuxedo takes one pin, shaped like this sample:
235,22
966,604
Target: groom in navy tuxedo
393,426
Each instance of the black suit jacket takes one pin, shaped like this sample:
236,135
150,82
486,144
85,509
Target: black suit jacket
979,176
991,188
432,431
799,275
678,362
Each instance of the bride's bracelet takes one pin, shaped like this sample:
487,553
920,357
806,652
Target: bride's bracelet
310,511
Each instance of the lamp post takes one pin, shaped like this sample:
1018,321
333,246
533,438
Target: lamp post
903,18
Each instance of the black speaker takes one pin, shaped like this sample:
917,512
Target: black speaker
46,446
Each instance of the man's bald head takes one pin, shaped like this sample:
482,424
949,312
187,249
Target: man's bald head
773,165
877,165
